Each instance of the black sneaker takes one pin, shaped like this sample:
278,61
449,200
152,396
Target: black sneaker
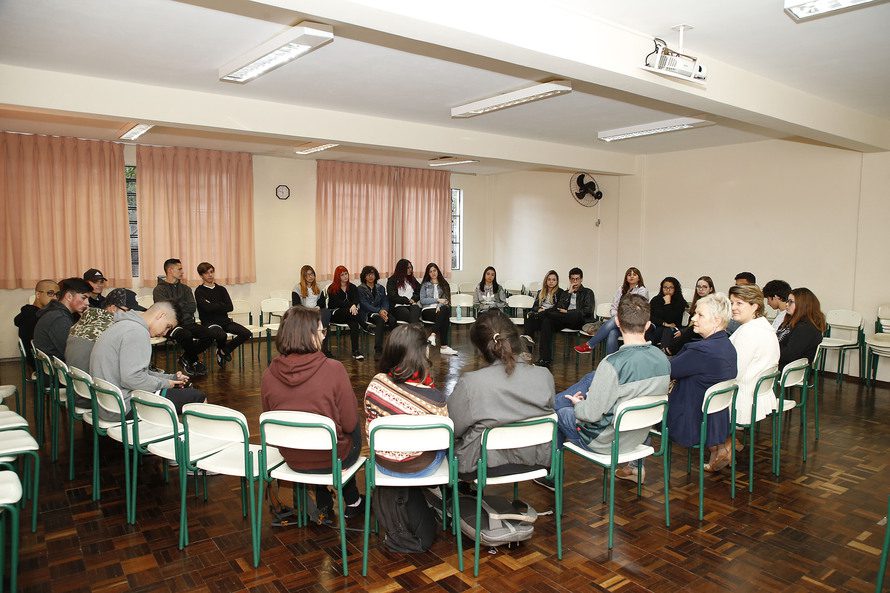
325,516
221,358
354,511
188,367
546,483
358,355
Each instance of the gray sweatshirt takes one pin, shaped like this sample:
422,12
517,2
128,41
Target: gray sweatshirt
121,357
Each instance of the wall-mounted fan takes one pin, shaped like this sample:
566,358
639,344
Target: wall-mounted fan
584,189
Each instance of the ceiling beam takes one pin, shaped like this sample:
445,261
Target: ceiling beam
551,37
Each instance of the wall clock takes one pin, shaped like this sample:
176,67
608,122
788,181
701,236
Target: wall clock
283,192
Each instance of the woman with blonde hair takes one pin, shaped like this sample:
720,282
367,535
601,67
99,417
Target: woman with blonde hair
546,299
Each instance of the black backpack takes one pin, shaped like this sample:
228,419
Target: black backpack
409,523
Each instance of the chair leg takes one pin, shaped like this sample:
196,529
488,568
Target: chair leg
803,415
35,465
478,531
777,440
342,521
13,547
882,567
701,481
367,526
557,505
254,526
751,431
611,504
666,460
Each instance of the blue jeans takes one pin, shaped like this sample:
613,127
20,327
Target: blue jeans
565,410
427,471
609,332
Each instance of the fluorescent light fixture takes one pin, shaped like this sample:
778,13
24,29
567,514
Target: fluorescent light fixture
136,131
801,10
311,147
532,93
658,127
450,161
279,50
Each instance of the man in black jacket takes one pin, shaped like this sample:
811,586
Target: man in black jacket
574,309
214,306
26,320
55,320
193,338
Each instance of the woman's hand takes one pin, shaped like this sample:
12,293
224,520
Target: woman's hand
443,301
353,310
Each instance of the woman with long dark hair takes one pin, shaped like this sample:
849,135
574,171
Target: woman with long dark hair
302,379
489,294
801,331
403,291
435,300
667,308
672,344
343,304
404,386
509,389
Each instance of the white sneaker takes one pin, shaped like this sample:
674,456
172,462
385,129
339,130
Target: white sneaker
431,340
448,350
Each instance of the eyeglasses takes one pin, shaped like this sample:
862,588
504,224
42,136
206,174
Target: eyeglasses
49,293
574,278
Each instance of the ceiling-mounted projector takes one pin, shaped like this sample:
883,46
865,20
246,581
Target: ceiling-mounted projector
665,60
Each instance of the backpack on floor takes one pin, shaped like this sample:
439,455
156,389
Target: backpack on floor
408,522
503,521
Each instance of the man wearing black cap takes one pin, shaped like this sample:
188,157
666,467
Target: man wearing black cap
97,282
54,321
93,323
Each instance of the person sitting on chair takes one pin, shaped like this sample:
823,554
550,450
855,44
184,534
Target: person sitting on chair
193,338
572,311
54,321
214,305
26,320
374,305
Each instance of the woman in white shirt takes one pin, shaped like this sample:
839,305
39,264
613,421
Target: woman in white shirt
757,348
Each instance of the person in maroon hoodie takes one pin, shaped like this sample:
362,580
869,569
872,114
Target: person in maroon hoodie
302,379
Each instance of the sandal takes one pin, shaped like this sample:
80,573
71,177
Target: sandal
718,463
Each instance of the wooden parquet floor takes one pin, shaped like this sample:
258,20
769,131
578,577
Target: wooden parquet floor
818,528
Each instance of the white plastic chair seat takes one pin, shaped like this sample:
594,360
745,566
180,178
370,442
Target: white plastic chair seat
7,458
876,341
4,407
7,391
11,420
521,477
81,411
103,424
568,330
639,452
114,431
271,326
147,432
838,342
787,404
204,446
463,320
284,472
253,329
440,476
230,460
63,398
10,488
15,441
158,341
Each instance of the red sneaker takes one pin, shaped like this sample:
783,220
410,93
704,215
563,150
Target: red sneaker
583,348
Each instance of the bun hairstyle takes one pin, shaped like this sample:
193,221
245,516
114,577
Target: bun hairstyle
497,339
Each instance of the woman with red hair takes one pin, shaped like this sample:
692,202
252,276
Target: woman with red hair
343,304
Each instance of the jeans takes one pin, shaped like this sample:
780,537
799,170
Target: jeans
609,332
427,471
565,410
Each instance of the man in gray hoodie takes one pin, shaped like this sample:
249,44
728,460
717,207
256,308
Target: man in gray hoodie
122,354
192,337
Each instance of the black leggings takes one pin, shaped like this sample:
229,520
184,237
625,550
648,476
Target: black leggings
241,333
195,339
441,318
379,327
342,315
408,313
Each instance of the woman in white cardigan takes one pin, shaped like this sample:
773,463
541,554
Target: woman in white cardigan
757,348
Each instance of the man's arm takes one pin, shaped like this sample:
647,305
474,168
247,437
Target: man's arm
134,355
601,396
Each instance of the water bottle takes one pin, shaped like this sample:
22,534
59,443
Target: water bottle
459,312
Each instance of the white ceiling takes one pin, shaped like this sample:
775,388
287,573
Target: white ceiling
180,45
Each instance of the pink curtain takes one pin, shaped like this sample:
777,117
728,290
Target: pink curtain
372,214
355,209
425,215
63,209
195,205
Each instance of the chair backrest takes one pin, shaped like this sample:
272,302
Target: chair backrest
604,310
274,306
63,375
45,362
145,300
534,287
520,301
215,422
719,396
513,286
286,428
109,397
404,432
280,294
240,308
468,287
844,319
154,409
794,373
462,300
525,433
766,381
884,318
640,412
82,383
22,354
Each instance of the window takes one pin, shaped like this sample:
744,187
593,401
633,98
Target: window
457,228
130,175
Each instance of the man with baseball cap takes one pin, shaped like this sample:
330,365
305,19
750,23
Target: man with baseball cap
93,324
97,282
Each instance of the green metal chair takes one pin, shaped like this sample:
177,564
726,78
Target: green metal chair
882,568
108,397
10,496
45,378
156,431
216,439
516,435
633,415
795,374
765,382
717,398
17,443
850,322
405,433
27,377
65,396
82,385
311,432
